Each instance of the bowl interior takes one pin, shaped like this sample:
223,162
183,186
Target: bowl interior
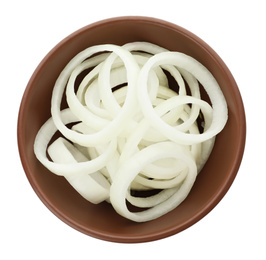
101,221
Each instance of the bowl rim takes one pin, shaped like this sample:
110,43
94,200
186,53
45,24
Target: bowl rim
174,229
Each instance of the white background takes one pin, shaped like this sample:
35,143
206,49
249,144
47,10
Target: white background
235,229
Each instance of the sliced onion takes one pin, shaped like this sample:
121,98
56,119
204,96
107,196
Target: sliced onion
130,131
204,77
133,166
93,187
115,126
43,138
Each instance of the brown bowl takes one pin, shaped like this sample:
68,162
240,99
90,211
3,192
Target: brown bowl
101,221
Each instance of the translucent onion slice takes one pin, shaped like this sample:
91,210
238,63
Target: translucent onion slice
162,183
112,129
43,138
207,80
93,187
122,181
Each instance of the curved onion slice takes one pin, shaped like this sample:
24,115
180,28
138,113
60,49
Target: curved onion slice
133,166
93,187
209,83
112,129
43,138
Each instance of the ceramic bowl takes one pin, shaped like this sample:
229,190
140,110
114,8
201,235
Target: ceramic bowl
101,221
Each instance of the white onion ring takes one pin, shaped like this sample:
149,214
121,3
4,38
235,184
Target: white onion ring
114,127
204,77
93,187
133,166
43,138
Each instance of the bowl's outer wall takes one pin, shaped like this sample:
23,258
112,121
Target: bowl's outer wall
101,221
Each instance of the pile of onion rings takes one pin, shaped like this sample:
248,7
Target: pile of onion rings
131,132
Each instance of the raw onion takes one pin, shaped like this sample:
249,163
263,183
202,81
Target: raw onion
131,131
